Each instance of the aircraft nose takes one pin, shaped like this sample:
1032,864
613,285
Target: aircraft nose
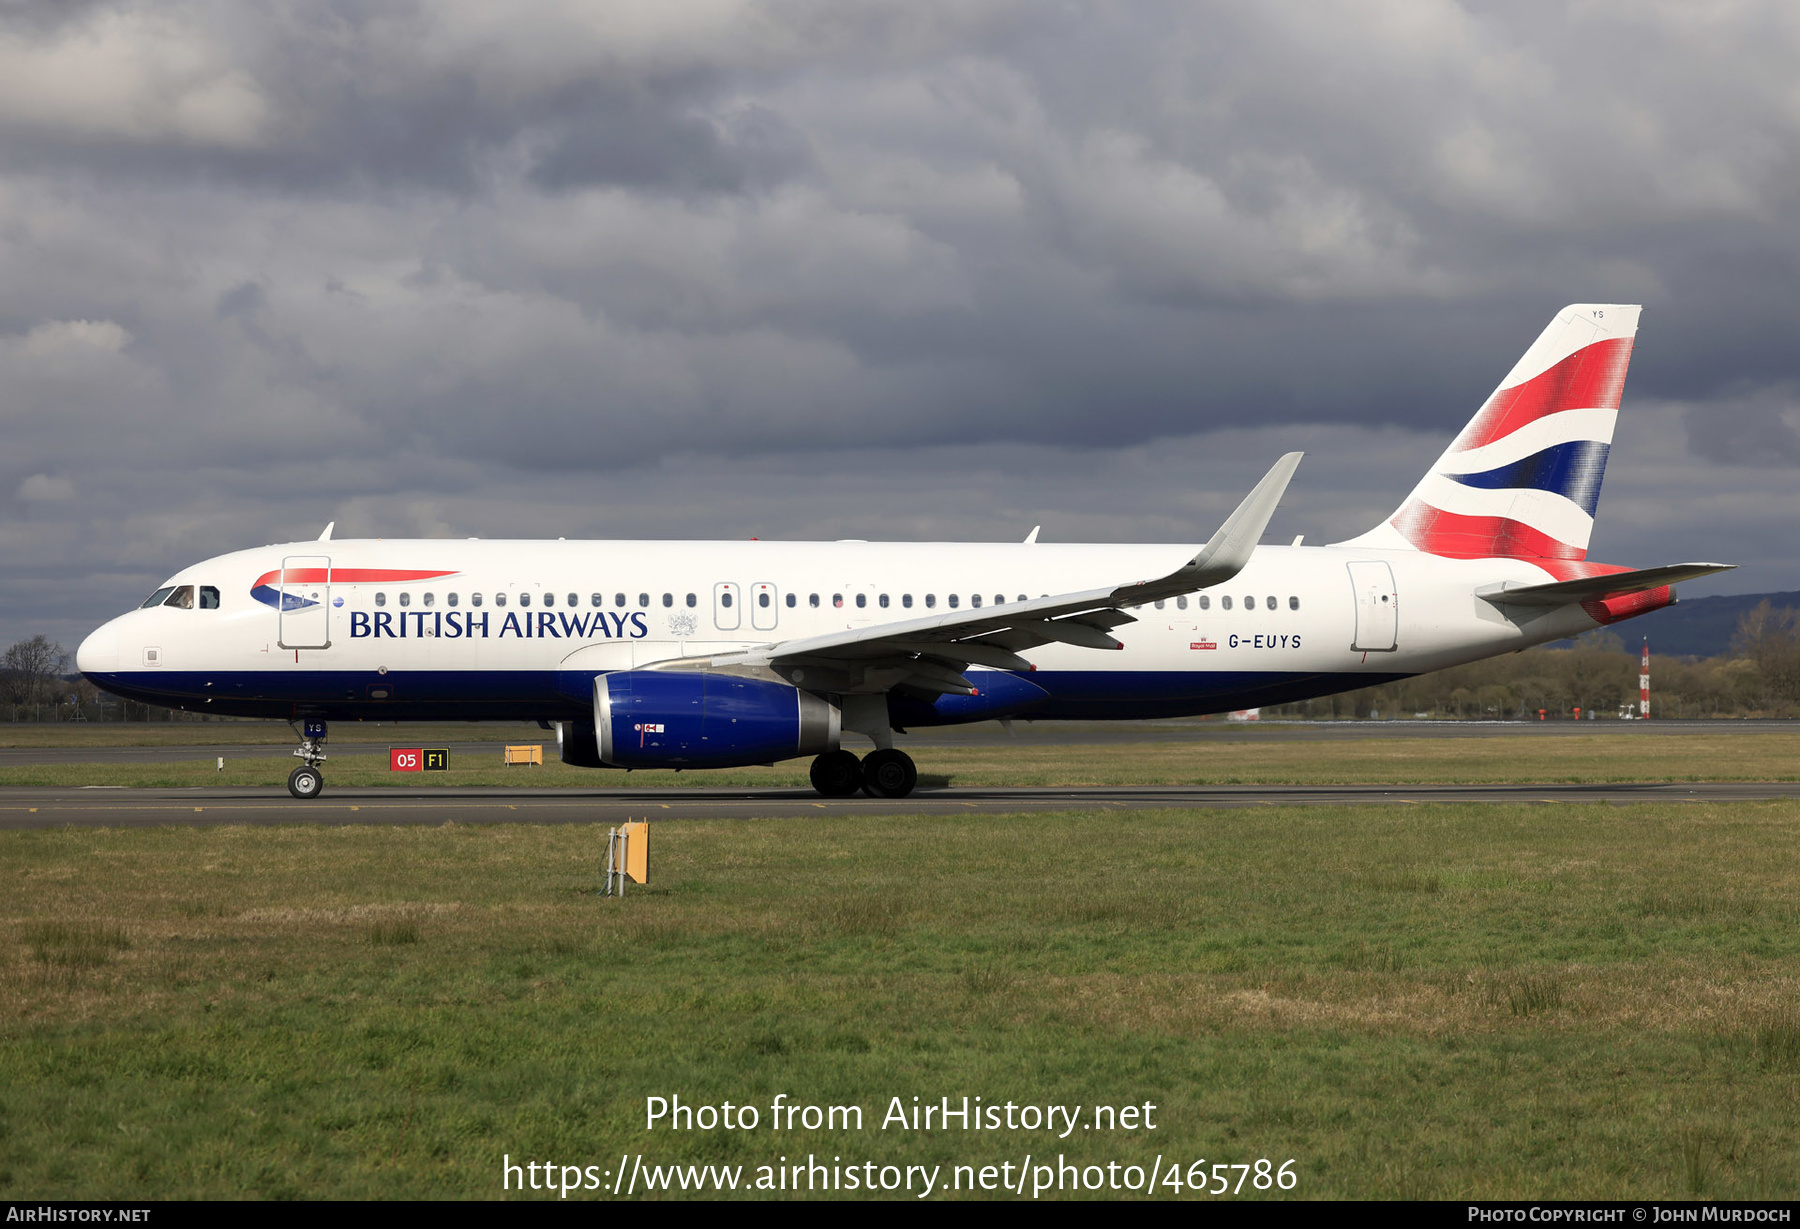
99,653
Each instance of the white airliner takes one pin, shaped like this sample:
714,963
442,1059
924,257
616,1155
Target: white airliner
724,654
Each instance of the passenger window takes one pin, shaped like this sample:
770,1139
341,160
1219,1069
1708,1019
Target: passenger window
975,600
430,598
999,599
574,600
549,600
596,599
862,600
1205,602
449,599
812,599
1225,602
725,600
668,600
762,599
790,600
618,599
182,598
1293,603
524,598
406,599
1023,598
1181,603
643,599
691,600
1250,603
209,598
499,599
882,601
474,599
953,600
837,600
1274,603
157,598
906,600
930,600
1159,605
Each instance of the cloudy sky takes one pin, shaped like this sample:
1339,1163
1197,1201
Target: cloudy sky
828,269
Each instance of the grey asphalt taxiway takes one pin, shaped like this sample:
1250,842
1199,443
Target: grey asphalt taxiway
24,807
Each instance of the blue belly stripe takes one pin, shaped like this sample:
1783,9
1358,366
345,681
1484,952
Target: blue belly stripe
561,695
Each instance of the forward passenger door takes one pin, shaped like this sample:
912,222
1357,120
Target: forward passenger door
304,614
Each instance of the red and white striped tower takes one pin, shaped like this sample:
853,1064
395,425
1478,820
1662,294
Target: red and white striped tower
1644,683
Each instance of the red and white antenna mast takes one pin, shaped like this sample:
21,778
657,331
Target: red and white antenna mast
1644,683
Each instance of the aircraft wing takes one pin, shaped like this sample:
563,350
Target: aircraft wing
1588,588
931,653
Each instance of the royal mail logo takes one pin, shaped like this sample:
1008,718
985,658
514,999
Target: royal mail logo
1204,644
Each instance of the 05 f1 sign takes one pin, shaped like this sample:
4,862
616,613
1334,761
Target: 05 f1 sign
419,759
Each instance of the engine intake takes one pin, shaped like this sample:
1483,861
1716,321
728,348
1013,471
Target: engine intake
657,719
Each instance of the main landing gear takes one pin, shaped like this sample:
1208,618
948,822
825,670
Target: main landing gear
879,774
306,781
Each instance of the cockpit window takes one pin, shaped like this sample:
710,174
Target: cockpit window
182,598
156,599
209,598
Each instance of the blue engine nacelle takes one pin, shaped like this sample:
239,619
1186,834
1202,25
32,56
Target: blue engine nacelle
670,719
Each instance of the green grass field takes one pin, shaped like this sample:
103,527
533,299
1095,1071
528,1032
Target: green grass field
1437,1001
1211,758
256,733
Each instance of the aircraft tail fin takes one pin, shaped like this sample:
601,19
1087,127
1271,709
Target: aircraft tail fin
1522,480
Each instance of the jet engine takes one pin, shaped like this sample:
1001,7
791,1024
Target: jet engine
678,719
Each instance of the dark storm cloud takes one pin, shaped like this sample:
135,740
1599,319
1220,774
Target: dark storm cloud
888,270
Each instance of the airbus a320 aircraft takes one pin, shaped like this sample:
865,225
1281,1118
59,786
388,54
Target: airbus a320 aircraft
725,654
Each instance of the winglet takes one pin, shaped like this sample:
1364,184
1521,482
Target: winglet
326,536
1031,538
1229,550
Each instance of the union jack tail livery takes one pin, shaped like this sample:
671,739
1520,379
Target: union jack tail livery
1522,481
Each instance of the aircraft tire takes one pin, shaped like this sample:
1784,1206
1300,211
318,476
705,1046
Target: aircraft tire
837,774
889,774
305,782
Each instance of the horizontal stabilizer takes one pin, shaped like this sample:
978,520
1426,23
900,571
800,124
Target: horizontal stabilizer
1590,588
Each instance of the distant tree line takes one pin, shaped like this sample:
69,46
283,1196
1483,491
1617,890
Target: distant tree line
37,683
1759,677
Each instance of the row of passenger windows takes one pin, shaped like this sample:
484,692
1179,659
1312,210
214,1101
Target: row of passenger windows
1204,602
185,597
182,597
764,600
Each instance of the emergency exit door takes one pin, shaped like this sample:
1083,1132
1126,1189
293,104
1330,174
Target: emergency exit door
1377,607
305,610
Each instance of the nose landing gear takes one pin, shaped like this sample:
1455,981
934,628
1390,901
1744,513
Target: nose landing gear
306,781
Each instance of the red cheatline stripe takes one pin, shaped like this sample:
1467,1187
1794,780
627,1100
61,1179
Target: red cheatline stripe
1478,537
344,576
1591,378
